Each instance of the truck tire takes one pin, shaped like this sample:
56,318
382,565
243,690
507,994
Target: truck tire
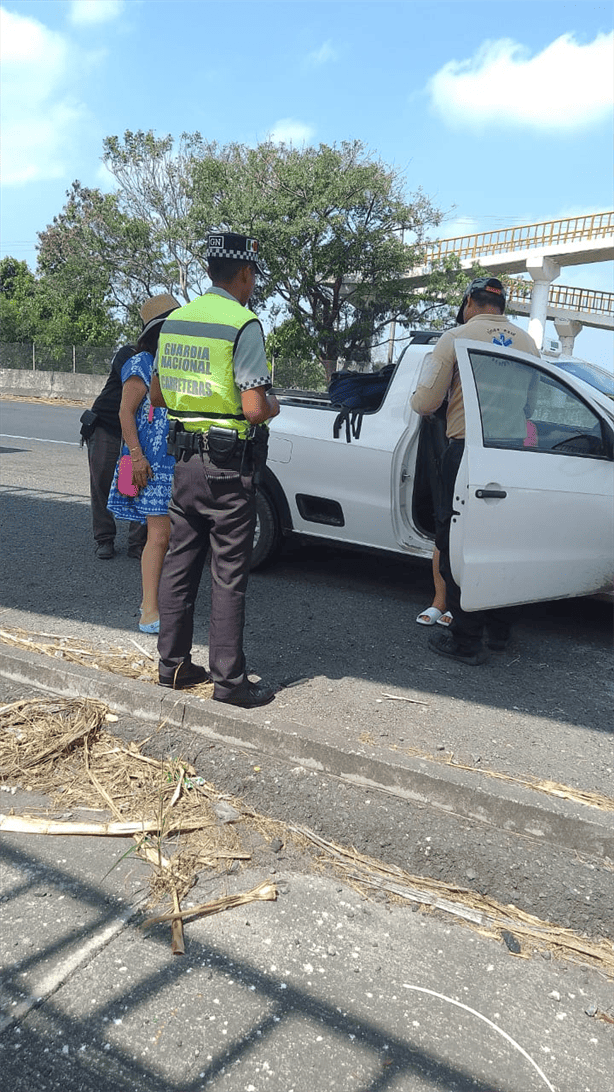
266,533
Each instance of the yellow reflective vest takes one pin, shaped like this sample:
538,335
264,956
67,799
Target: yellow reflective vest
195,363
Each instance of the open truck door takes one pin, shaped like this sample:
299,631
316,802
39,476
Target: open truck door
534,512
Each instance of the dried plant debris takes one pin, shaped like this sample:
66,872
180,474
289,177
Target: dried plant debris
264,892
47,400
135,663
61,747
490,918
138,664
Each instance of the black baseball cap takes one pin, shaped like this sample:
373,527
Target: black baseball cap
483,284
227,244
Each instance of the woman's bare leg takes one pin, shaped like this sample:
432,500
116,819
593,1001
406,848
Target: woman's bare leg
440,586
438,606
158,532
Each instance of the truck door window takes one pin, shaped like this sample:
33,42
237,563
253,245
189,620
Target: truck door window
526,409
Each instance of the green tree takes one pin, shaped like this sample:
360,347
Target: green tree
102,252
294,357
336,230
57,309
154,190
17,301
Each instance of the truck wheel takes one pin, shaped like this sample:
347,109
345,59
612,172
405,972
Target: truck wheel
266,533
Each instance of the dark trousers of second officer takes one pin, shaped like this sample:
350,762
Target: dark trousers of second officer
213,507
467,626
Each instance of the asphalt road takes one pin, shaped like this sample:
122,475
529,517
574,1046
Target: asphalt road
341,626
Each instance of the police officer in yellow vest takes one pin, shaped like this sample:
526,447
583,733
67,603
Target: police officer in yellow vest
213,377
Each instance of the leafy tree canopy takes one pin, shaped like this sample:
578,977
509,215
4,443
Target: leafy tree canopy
17,292
65,306
336,228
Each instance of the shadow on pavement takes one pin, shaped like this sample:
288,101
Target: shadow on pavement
87,1033
318,611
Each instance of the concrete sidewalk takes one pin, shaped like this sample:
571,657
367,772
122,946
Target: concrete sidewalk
319,990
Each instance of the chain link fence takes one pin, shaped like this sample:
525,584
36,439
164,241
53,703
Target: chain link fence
96,360
81,359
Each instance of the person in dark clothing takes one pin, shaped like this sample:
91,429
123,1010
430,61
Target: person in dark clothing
103,445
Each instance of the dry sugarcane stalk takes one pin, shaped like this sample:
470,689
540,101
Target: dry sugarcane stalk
141,649
264,892
177,792
177,941
20,640
130,754
400,697
23,824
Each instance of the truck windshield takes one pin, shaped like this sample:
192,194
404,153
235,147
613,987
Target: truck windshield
590,373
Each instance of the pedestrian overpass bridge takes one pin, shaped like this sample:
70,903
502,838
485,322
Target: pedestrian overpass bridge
541,250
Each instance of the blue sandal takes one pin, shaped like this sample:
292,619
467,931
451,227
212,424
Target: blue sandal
150,627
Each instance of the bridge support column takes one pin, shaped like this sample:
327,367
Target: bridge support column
568,331
543,271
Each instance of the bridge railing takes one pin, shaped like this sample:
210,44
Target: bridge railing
549,233
567,298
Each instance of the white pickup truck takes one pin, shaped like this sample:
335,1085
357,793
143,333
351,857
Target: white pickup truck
535,515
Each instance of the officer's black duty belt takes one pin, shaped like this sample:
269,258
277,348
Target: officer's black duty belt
220,444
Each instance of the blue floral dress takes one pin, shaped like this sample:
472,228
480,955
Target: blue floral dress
155,498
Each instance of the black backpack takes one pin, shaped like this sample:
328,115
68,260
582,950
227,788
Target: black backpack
357,393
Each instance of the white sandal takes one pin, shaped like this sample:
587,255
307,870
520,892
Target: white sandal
445,620
429,616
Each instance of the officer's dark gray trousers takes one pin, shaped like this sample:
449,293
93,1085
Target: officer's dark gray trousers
103,452
213,507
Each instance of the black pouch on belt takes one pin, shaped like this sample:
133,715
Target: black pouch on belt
88,421
222,445
258,444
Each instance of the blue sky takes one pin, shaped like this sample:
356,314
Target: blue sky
501,113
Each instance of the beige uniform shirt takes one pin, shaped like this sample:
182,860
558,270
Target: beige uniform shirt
439,373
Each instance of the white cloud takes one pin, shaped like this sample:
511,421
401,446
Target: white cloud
289,131
85,13
326,52
565,87
41,119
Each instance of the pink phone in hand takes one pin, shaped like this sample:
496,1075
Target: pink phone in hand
125,484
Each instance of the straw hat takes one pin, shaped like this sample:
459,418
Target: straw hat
156,309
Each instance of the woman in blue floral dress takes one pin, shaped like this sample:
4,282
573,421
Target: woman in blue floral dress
145,430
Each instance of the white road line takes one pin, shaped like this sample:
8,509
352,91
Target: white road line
39,440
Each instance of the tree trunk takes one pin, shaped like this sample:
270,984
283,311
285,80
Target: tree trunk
329,366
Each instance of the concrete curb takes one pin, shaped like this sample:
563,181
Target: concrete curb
470,794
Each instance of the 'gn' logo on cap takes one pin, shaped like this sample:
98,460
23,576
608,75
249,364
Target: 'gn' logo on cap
216,240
